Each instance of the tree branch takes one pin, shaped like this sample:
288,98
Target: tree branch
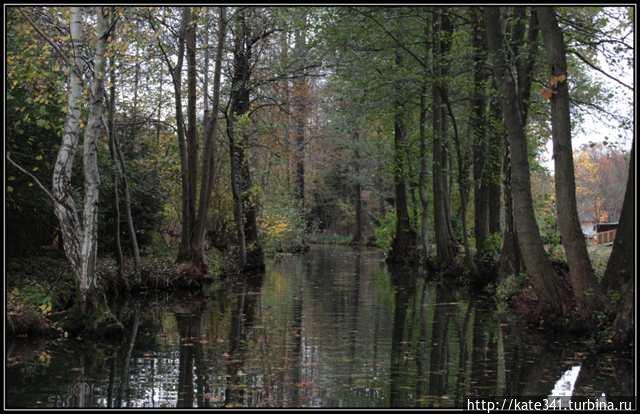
33,177
585,60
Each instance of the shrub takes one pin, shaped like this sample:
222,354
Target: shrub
385,231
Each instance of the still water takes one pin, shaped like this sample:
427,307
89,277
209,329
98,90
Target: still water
331,328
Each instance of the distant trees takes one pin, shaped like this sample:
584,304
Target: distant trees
600,174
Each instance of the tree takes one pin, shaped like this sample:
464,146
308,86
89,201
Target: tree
445,246
585,288
404,242
208,155
620,273
543,277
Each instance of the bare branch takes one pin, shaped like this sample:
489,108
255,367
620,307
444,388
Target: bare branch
585,60
33,177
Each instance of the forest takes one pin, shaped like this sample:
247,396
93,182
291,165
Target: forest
322,206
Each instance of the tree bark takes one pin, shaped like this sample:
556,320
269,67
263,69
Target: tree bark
95,130
543,277
583,282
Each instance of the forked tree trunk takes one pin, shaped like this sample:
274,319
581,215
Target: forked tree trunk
544,279
583,282
208,155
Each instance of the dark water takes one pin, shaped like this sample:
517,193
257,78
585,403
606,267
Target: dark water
327,329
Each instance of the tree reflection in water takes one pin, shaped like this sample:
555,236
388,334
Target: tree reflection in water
332,328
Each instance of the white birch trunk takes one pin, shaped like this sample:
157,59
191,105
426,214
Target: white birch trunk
95,130
64,206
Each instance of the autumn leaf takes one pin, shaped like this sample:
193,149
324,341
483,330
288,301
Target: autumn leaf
546,93
557,79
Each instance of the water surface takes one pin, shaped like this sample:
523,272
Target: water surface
331,328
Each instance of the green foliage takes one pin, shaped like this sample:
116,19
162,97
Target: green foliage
385,231
507,288
491,248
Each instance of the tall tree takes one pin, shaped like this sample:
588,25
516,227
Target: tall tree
583,282
542,275
424,158
445,245
300,94
404,241
245,204
208,154
478,122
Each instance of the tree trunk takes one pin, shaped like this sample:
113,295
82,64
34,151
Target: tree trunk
120,168
494,166
424,171
620,268
357,235
424,161
543,277
477,124
114,158
445,247
463,186
192,126
208,155
284,61
245,210
403,247
620,273
583,282
64,206
300,103
176,75
95,130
